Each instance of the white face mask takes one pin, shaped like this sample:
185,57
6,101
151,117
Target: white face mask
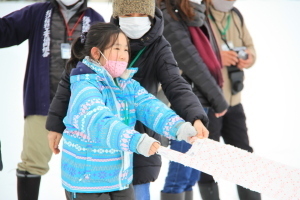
196,1
134,27
69,2
223,5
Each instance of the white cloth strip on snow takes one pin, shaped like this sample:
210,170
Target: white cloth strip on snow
238,166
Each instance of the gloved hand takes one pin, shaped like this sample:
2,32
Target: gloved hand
186,131
147,145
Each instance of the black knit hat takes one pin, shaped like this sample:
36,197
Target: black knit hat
123,7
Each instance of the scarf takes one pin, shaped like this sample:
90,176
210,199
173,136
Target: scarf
206,52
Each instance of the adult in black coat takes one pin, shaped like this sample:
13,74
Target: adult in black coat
156,65
193,67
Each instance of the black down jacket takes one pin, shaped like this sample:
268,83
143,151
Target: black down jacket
194,70
156,65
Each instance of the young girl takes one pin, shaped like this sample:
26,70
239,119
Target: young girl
99,139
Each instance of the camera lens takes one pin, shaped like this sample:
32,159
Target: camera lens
237,86
236,77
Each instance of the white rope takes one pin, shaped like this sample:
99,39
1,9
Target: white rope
240,167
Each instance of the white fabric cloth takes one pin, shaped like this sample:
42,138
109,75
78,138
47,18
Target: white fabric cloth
240,167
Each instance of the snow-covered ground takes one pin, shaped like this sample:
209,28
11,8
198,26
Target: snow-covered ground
270,97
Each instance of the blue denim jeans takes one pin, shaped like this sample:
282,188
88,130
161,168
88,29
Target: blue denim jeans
180,178
142,191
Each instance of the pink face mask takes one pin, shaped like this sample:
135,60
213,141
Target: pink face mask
115,68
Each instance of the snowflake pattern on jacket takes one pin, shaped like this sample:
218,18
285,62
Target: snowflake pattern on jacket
99,137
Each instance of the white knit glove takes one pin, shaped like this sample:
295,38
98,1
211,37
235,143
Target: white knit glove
144,145
186,131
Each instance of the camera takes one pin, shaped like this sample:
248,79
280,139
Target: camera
236,75
242,54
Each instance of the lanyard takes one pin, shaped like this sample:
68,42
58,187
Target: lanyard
125,111
126,114
224,31
132,62
136,57
71,31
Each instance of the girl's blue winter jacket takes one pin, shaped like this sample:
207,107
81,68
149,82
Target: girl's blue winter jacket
99,138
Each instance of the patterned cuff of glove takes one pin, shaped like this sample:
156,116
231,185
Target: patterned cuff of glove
185,131
144,144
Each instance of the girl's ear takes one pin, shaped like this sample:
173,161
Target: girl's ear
95,53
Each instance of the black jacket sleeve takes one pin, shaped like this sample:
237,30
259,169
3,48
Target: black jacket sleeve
179,93
191,63
59,105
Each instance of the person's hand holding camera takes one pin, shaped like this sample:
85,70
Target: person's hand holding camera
229,58
245,63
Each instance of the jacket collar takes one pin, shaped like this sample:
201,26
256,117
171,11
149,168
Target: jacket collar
82,8
69,12
218,15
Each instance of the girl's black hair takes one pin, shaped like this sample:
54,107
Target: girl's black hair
101,35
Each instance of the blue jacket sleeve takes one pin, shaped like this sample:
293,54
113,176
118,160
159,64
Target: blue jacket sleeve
155,114
91,119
